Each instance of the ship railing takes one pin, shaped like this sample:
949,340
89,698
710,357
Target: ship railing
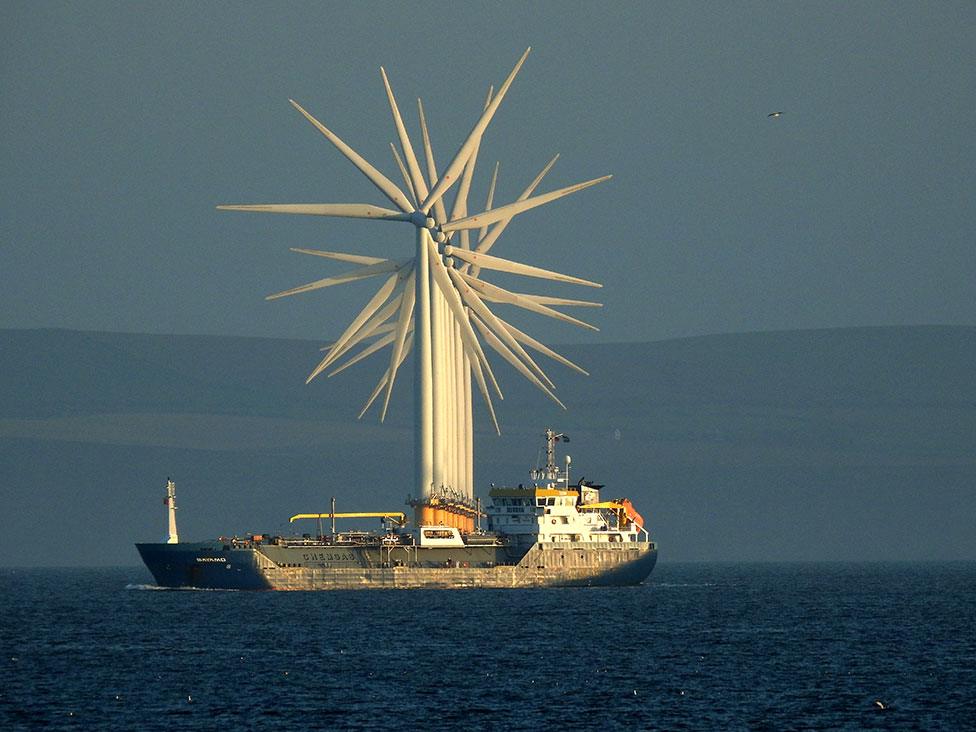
610,518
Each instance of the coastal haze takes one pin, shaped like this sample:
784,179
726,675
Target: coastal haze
847,444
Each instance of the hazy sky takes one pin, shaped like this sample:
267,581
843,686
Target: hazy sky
123,125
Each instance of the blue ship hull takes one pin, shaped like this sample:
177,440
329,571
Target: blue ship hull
215,565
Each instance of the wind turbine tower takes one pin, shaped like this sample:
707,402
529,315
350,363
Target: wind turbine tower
436,302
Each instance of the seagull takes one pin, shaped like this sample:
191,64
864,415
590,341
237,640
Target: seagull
775,114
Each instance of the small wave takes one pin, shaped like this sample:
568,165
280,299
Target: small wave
684,584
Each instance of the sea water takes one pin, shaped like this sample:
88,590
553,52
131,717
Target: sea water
699,646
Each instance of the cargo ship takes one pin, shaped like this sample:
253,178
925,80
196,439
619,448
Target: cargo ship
550,533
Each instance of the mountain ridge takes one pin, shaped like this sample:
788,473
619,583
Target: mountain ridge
735,446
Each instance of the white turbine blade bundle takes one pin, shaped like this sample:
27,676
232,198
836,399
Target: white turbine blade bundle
403,325
513,209
367,329
380,330
455,303
542,348
489,261
336,210
439,211
498,294
384,184
464,152
416,176
370,270
468,337
461,201
486,242
479,308
383,380
563,301
479,377
490,200
500,347
460,209
432,304
371,307
403,173
368,351
340,256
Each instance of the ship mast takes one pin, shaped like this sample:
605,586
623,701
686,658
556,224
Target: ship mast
551,472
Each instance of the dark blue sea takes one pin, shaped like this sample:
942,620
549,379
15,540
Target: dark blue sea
700,646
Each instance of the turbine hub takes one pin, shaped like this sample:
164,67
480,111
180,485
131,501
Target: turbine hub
422,220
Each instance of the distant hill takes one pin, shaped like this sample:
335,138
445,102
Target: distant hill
821,444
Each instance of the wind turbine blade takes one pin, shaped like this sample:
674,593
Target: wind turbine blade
439,211
468,337
369,327
464,152
500,347
340,256
417,177
547,300
372,397
479,377
382,382
368,351
403,325
338,210
378,331
479,308
498,294
489,261
371,307
486,242
513,209
403,172
386,186
460,209
371,270
490,201
541,347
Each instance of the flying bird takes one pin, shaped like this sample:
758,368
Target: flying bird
775,114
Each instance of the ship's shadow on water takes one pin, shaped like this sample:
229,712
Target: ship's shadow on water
700,646
178,589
